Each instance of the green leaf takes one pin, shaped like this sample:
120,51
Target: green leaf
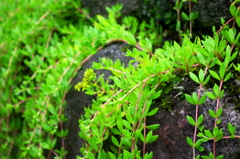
214,74
152,139
153,127
127,124
126,154
178,26
191,120
157,94
111,155
200,120
153,112
211,95
238,21
116,81
46,127
194,15
198,157
195,98
232,9
201,76
148,156
228,76
45,145
204,139
212,113
201,59
200,148
219,121
184,15
208,133
216,90
215,131
221,94
190,142
115,141
219,112
231,129
149,136
200,128
202,99
95,130
129,117
189,99
194,77
220,157
206,80
120,125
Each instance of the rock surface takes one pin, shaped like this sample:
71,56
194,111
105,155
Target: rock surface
76,101
98,7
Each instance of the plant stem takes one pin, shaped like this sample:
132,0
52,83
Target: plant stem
190,22
216,119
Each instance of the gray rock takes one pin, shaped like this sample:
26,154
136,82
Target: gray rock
98,7
211,11
77,101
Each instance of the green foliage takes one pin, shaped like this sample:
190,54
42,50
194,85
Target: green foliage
41,51
119,113
224,57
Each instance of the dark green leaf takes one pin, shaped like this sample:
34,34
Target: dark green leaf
184,15
194,15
